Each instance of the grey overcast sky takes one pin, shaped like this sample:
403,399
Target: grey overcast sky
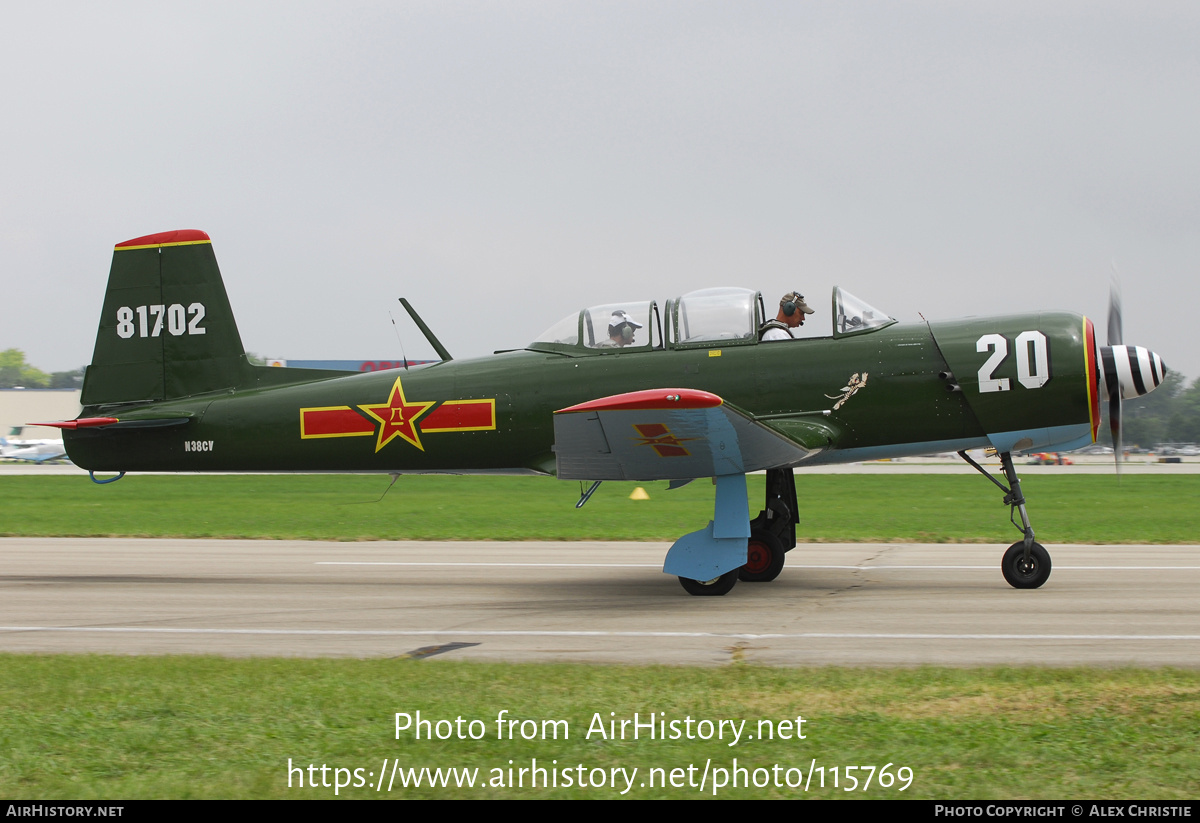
501,164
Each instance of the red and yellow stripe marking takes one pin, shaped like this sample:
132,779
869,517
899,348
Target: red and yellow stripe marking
461,416
398,418
180,237
1093,378
451,416
333,421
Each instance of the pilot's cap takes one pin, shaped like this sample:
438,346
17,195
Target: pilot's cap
619,317
796,301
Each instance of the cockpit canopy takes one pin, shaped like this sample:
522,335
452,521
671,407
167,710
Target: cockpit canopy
632,326
721,316
726,315
854,316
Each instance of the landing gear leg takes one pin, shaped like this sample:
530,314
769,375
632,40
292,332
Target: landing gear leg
773,532
1026,563
707,561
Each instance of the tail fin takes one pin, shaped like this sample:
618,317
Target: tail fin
167,330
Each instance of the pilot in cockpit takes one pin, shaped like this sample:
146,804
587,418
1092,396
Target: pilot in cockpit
792,309
621,328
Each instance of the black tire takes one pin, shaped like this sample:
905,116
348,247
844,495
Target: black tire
710,588
1022,575
764,558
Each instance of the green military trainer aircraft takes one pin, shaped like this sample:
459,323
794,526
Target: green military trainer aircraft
624,391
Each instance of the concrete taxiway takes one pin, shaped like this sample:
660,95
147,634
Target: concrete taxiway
846,604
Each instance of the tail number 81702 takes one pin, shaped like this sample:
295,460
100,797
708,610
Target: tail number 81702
150,320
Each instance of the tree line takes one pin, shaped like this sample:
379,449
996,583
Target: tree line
16,373
1169,414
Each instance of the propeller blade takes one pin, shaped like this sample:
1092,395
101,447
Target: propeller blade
1115,338
1128,372
1115,335
1114,423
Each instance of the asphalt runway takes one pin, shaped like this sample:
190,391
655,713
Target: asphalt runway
844,604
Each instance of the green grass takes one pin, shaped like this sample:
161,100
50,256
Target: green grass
834,508
179,727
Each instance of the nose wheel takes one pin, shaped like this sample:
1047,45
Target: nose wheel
1023,572
1026,564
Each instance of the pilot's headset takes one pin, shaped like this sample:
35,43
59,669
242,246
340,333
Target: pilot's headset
624,325
790,304
625,329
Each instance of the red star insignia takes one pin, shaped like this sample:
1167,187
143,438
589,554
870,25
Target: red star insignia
398,418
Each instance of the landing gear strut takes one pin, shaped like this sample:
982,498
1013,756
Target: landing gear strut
1026,563
707,561
732,547
773,532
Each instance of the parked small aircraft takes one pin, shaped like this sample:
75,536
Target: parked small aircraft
30,451
623,391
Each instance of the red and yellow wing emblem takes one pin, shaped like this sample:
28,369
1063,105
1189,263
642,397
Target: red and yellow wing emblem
659,437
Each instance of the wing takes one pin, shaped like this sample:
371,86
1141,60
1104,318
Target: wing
667,434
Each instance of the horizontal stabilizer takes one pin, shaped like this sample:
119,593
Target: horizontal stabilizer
82,422
122,423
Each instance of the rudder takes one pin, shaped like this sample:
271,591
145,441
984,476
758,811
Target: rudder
167,330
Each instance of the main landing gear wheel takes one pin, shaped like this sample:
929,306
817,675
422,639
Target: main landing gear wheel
1026,574
710,588
764,558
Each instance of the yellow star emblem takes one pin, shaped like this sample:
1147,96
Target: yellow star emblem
398,418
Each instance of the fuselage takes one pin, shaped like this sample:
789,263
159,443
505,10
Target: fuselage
901,390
